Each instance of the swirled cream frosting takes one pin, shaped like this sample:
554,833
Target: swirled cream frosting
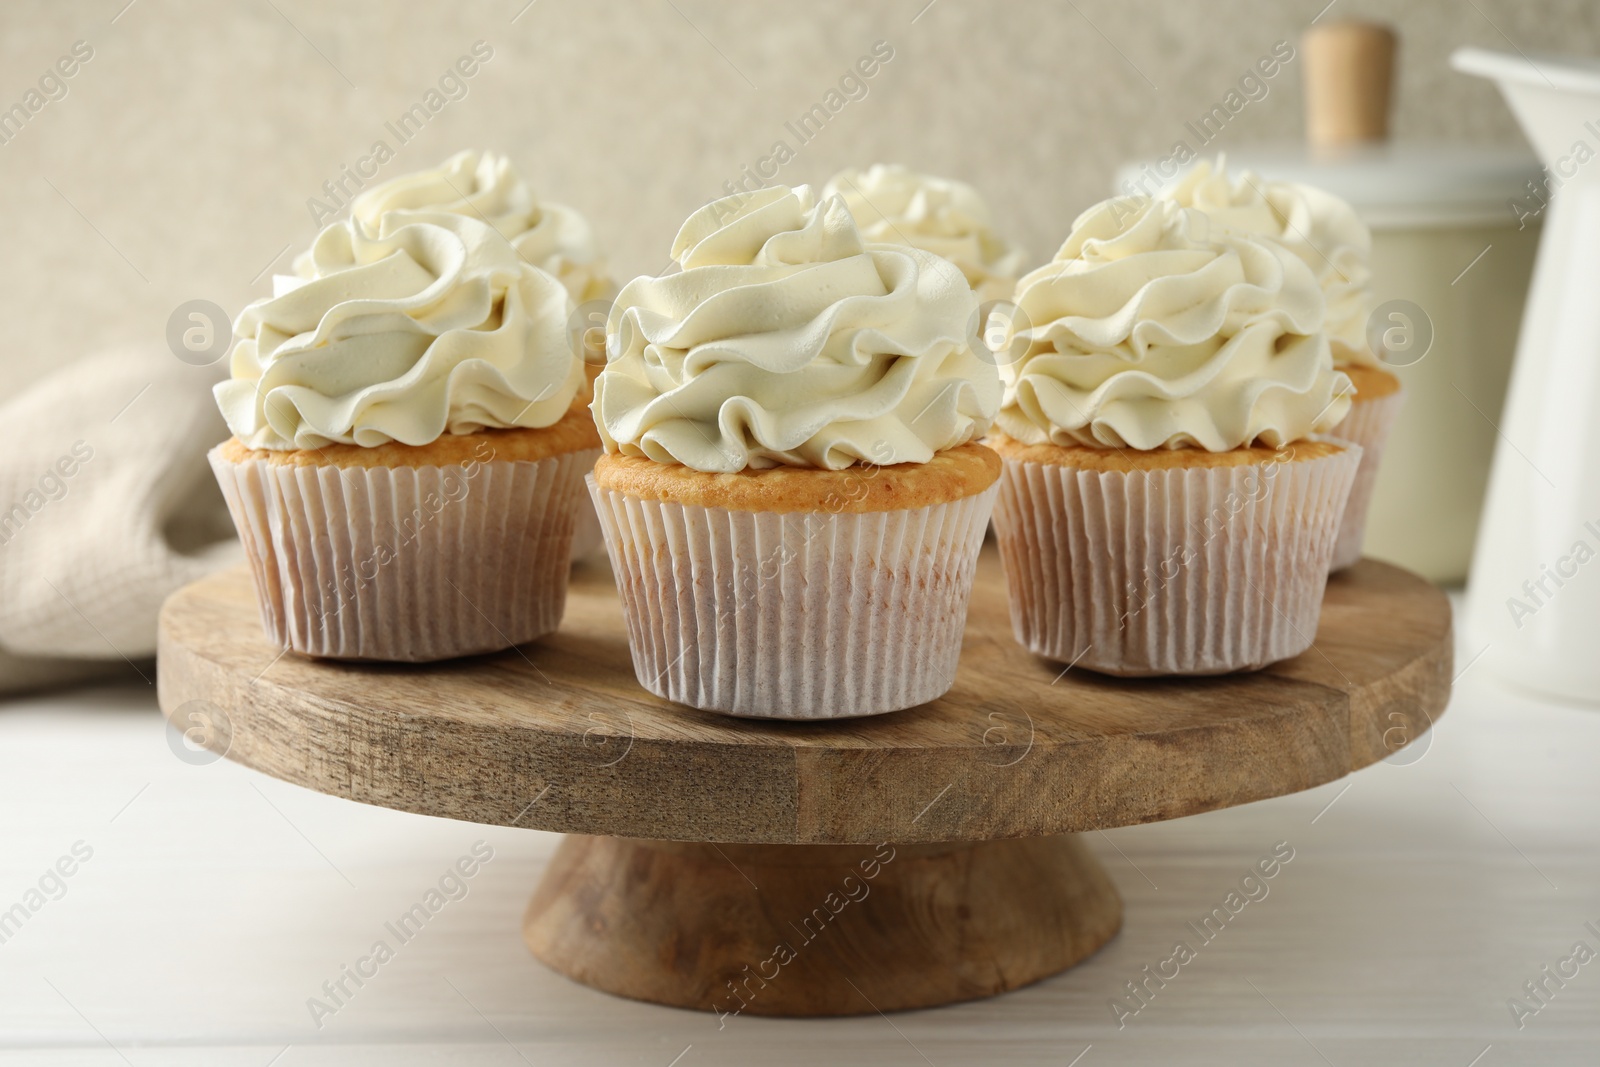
485,186
430,324
1320,228
786,339
1156,327
896,205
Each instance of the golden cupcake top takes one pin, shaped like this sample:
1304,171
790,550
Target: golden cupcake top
1156,327
573,432
1124,460
787,339
953,474
896,205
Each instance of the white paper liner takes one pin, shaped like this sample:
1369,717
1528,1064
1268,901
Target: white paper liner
407,564
1184,571
810,615
588,540
1367,425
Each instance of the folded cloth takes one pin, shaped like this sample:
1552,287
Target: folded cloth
106,506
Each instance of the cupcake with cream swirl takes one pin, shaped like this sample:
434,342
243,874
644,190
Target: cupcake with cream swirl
409,442
792,490
1168,503
553,237
1329,237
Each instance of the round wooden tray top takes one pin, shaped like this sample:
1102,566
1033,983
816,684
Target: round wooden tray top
1019,747
864,865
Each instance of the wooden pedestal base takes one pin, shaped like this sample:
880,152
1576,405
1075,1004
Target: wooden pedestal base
818,929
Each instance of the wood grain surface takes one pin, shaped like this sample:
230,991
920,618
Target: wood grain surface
558,735
818,929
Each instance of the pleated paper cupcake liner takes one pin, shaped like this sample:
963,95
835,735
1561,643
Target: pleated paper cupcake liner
588,540
407,564
1199,570
1367,425
794,616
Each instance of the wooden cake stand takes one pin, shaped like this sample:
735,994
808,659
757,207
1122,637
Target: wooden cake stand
896,862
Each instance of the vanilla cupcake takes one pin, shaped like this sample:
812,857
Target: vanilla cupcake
895,205
1328,235
792,493
409,443
553,237
1167,506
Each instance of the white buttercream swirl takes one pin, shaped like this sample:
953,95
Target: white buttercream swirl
431,325
1320,228
485,186
1155,328
787,340
893,204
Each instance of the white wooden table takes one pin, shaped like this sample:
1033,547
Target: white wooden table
217,902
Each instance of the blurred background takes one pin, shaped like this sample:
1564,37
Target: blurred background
180,162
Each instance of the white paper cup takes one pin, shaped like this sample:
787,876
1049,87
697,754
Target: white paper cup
588,540
1367,425
407,564
1190,570
812,615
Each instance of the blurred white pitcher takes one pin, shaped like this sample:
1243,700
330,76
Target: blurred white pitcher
1534,599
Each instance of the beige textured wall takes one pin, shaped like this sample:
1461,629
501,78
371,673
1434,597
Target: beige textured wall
184,152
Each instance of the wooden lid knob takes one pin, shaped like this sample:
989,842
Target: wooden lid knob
1349,72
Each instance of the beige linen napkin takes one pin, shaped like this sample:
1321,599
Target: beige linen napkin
106,506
